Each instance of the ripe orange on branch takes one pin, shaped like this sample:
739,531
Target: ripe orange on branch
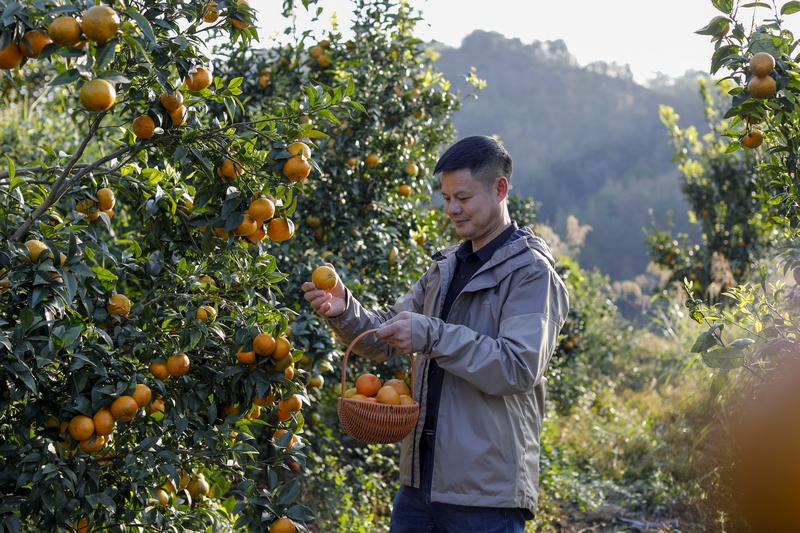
105,198
262,209
762,64
104,423
100,23
65,31
10,56
81,427
199,79
35,249
762,87
324,278
159,370
299,148
297,168
33,43
118,304
246,357
753,139
264,344
142,394
280,229
173,101
98,95
178,365
124,409
143,127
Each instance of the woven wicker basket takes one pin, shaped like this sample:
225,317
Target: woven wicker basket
375,423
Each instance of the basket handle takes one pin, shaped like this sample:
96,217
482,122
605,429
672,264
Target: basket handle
350,349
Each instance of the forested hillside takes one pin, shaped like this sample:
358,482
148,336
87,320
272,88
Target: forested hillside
586,140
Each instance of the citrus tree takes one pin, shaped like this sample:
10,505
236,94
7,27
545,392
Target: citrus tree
143,332
758,59
374,213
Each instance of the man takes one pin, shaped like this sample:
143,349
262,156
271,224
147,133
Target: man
485,319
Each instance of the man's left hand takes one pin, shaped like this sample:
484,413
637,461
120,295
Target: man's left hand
397,332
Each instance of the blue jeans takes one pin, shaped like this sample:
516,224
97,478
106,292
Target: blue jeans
414,512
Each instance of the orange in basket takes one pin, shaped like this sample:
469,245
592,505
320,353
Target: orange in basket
373,422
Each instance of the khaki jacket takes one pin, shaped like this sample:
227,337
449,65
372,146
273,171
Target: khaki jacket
501,332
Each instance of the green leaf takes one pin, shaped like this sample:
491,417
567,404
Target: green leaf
723,5
721,54
11,169
143,24
355,105
735,145
106,277
717,26
707,340
105,54
725,358
718,382
66,77
26,319
790,7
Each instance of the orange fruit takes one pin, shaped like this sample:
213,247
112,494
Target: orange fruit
292,404
156,407
313,221
246,227
118,304
246,358
199,79
10,56
263,81
33,43
178,365
372,160
35,249
264,344
238,23
753,139
142,394
282,348
398,385
4,284
206,314
173,101
352,391
283,416
206,280
388,395
124,409
282,525
762,64
762,87
230,410
262,209
198,487
324,278
100,23
404,190
368,385
324,61
98,95
289,372
104,423
357,396
406,400
162,497
178,116
87,208
65,31
81,427
264,401
143,127
105,198
316,52
231,169
93,444
280,229
351,162
259,234
299,148
211,13
412,169
159,370
297,168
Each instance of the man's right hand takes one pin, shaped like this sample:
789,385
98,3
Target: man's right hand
327,304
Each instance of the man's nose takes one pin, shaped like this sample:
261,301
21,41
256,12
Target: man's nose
452,208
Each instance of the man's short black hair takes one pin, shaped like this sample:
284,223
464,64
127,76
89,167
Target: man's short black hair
484,156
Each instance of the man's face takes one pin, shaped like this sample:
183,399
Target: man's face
476,213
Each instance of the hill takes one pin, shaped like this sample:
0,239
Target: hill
586,140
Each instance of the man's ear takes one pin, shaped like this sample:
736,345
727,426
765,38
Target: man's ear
501,186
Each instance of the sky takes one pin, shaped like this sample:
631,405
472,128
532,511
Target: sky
651,36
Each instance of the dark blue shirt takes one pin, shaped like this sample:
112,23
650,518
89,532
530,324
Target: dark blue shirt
467,264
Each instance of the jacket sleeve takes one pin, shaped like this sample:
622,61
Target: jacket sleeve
515,361
356,319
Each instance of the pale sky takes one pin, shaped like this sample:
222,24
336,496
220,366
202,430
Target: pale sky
649,35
